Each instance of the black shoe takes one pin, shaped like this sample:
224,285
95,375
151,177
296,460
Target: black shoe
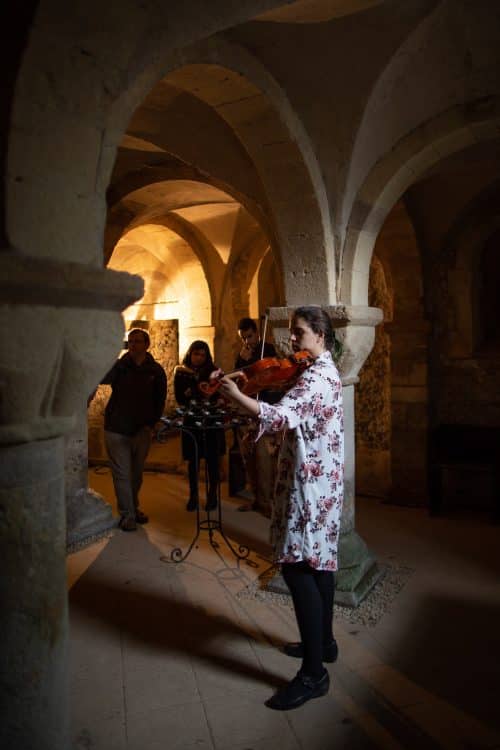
192,504
330,652
301,689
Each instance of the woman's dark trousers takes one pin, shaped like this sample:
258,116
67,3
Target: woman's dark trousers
213,476
312,595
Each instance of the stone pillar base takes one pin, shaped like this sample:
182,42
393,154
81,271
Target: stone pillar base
89,517
356,577
34,617
277,584
358,570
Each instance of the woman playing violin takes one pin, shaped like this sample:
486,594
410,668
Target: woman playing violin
308,498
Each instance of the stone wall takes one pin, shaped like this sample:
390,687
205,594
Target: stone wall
392,397
409,355
465,373
164,347
373,399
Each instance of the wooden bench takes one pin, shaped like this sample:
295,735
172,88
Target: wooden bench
463,447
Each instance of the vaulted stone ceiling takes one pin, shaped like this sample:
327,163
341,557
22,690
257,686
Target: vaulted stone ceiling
447,193
316,11
206,143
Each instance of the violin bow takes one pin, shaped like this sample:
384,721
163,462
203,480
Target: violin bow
263,332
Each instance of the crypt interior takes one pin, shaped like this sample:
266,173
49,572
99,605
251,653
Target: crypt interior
177,166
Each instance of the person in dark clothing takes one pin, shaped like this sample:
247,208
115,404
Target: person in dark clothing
198,443
139,390
259,457
251,348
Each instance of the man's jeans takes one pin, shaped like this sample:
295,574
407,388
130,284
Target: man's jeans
127,455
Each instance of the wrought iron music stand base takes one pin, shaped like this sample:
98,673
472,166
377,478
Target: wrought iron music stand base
209,523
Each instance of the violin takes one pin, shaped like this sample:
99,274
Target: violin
267,373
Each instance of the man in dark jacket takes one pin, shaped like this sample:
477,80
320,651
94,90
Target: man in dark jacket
139,390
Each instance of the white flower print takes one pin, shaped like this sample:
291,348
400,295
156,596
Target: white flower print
309,479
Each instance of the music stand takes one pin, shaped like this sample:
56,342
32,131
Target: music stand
202,419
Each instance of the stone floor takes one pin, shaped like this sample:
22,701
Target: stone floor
168,656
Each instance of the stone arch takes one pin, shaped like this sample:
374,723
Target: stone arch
249,244
120,217
245,96
137,200
412,156
175,171
438,105
243,292
254,106
84,70
205,252
175,282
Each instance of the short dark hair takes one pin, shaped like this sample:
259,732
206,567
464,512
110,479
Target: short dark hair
147,340
318,320
245,323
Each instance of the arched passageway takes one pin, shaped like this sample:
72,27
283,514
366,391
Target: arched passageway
316,129
205,250
433,250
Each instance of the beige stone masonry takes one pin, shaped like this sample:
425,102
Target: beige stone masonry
354,326
55,356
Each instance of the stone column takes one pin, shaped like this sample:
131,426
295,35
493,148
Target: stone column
60,328
355,328
88,515
358,572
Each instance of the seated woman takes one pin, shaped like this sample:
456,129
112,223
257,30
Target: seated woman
199,443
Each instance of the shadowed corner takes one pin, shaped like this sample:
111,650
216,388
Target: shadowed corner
454,646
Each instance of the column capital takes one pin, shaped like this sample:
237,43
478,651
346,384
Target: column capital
354,327
26,280
341,315
60,327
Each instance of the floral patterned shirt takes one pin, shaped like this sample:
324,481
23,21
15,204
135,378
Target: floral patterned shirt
309,485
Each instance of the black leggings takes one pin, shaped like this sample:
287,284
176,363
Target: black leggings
312,595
